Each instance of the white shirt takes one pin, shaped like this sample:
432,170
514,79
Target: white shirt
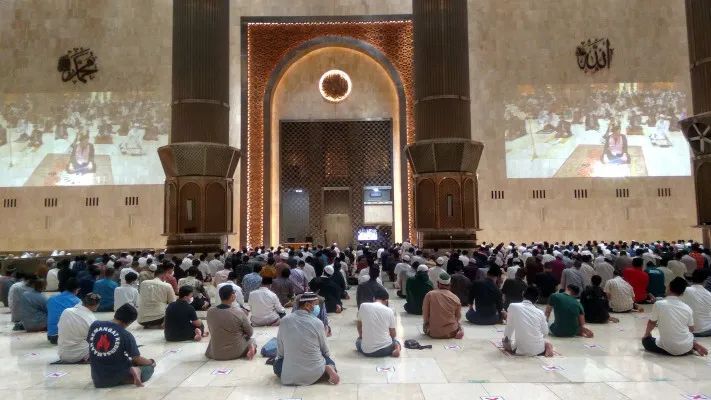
214,266
265,306
587,271
690,263
125,272
673,319
53,280
204,268
620,294
73,328
377,320
125,294
155,295
434,272
239,301
464,260
677,267
511,271
699,299
186,264
526,327
309,271
605,271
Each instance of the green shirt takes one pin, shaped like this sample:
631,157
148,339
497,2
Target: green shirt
567,312
656,282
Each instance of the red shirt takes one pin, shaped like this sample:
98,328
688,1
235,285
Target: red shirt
638,279
558,267
173,282
699,259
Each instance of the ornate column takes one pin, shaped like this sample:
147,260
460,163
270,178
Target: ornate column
697,128
199,163
444,158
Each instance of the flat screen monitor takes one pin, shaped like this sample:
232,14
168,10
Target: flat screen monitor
367,235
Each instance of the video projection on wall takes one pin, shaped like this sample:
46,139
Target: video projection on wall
81,139
596,130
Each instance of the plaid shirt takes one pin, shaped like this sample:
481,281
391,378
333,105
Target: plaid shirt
250,283
620,293
299,281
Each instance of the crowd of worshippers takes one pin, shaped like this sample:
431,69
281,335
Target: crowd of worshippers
580,285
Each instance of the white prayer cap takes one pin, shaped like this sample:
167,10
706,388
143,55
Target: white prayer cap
440,260
50,261
284,256
54,253
190,256
153,267
422,268
328,270
406,258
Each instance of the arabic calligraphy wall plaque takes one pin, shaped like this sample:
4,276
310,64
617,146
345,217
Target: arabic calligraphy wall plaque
594,54
78,65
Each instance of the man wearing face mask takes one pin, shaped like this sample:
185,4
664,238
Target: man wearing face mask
376,328
303,357
181,321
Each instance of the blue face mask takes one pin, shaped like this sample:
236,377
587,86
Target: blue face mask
317,310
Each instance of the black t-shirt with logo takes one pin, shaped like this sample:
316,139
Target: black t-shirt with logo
110,349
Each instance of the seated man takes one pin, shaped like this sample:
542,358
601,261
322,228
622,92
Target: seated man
231,331
181,321
86,283
621,295
442,311
265,305
675,321
569,314
56,306
368,289
33,308
201,301
319,312
113,352
460,287
283,287
639,280
615,149
155,295
127,293
82,158
656,286
231,281
417,287
487,300
105,288
526,327
376,328
73,329
303,357
513,288
699,299
595,304
546,282
25,283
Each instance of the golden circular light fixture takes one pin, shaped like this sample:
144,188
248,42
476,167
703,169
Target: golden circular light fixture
335,86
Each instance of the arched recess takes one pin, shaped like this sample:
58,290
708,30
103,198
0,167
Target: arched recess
215,197
449,200
171,218
703,192
190,206
400,141
469,203
426,217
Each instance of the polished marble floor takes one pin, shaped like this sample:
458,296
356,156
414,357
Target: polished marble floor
616,368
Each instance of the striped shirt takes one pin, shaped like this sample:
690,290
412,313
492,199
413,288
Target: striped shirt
620,294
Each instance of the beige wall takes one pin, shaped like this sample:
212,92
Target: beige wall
512,42
297,97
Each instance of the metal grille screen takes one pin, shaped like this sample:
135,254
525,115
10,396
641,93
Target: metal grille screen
321,154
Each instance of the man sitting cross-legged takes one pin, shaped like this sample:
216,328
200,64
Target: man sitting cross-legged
303,357
181,321
675,321
442,311
526,327
73,328
376,328
569,314
231,332
113,352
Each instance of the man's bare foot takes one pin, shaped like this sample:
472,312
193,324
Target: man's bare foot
615,320
198,335
328,333
251,352
333,377
549,350
586,333
700,349
339,309
459,334
206,334
136,374
396,351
